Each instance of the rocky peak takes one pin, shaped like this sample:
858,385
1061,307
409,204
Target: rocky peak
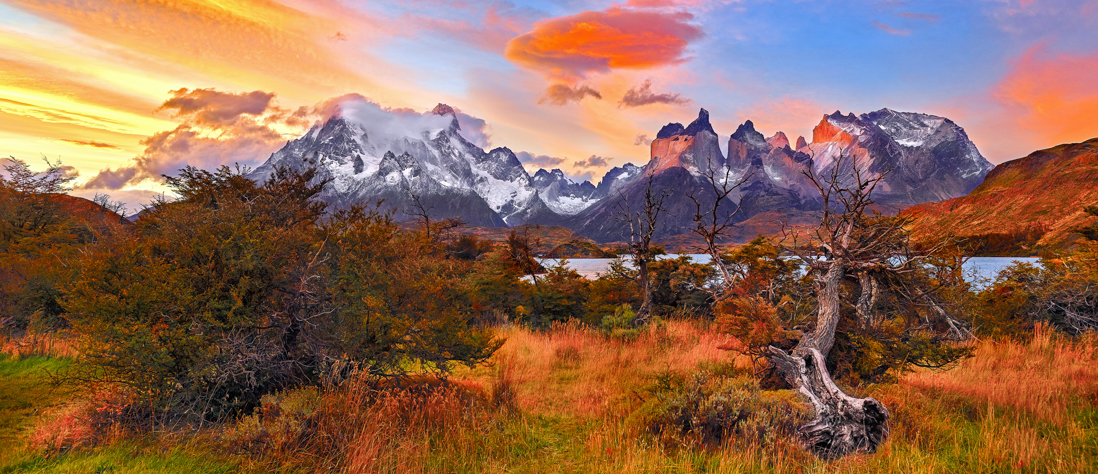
801,143
832,128
700,124
746,133
392,163
779,140
443,109
670,130
544,178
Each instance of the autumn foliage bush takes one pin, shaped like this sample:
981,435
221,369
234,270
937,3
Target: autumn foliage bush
240,289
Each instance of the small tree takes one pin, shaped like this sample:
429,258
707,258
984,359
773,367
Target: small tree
642,227
39,239
713,220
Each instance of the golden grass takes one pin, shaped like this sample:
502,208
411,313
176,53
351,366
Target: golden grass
51,344
1045,378
566,400
580,371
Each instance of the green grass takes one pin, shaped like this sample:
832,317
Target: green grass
27,394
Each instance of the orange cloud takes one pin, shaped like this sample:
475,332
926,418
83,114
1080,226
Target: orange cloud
568,48
93,144
219,128
1053,96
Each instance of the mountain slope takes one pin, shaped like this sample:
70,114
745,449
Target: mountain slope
1042,194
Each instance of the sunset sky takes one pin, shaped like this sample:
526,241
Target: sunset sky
124,90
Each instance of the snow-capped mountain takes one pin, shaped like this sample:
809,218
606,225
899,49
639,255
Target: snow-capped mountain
372,154
922,157
391,156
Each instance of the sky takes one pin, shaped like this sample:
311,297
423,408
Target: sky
124,91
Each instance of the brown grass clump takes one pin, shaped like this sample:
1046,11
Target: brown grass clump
100,419
361,428
580,371
1045,378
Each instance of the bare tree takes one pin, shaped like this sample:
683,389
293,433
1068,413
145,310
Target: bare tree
711,224
420,211
642,228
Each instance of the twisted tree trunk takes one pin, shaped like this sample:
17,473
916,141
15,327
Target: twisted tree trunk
867,299
843,424
646,287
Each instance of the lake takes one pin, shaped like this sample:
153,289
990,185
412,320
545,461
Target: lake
976,269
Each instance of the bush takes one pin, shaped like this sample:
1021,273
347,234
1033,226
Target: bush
241,289
620,322
709,410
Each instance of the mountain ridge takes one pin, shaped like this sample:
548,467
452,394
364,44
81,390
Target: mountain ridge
368,159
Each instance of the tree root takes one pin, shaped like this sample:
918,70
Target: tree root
843,424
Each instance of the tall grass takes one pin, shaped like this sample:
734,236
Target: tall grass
1050,378
572,399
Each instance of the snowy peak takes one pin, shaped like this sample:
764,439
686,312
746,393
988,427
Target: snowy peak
617,178
561,194
922,157
746,133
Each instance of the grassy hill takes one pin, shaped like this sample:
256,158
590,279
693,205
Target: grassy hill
1024,207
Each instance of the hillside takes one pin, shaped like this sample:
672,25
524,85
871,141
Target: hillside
1024,206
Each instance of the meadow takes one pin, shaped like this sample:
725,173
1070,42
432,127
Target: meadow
572,399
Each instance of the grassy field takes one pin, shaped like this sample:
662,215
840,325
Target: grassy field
573,400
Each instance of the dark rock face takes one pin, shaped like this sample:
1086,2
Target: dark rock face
694,147
616,179
603,222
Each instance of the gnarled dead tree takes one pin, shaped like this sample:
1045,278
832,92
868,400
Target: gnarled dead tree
642,228
849,242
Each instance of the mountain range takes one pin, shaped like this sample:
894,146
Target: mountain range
922,157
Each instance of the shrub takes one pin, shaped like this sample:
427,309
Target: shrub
105,416
620,322
241,289
709,410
